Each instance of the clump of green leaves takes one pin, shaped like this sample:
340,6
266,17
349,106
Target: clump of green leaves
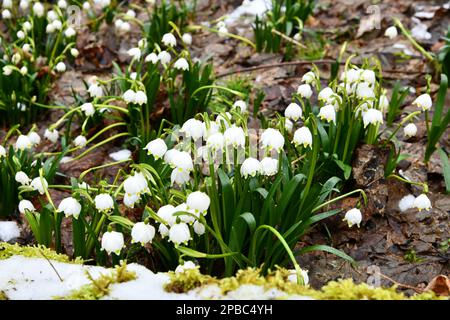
31,164
441,119
31,55
160,16
444,54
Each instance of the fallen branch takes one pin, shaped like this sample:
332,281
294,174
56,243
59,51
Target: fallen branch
275,65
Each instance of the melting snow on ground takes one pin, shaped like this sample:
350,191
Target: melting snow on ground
41,279
249,8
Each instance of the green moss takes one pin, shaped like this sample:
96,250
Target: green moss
8,250
344,289
187,280
100,287
3,295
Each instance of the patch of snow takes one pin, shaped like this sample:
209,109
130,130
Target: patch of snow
403,48
36,279
9,230
147,286
420,30
249,8
120,155
424,15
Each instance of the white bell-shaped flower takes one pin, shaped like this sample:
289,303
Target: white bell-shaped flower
353,217
179,233
135,184
112,241
198,201
269,166
328,113
51,135
193,128
23,142
142,233
303,136
410,130
169,40
391,32
309,77
293,111
88,109
157,148
181,64
215,142
179,176
423,101
140,98
305,91
163,230
166,213
2,151
234,136
129,96
38,9
422,202
364,91
199,228
135,53
130,200
250,167
164,57
26,205
22,178
95,90
39,184
34,138
272,139
152,57
80,141
104,202
70,207
187,39
241,105
368,76
325,94
372,116
406,203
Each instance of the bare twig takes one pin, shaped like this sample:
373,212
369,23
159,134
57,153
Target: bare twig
274,65
398,284
51,264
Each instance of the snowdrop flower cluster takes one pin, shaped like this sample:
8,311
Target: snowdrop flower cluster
135,186
139,97
176,224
